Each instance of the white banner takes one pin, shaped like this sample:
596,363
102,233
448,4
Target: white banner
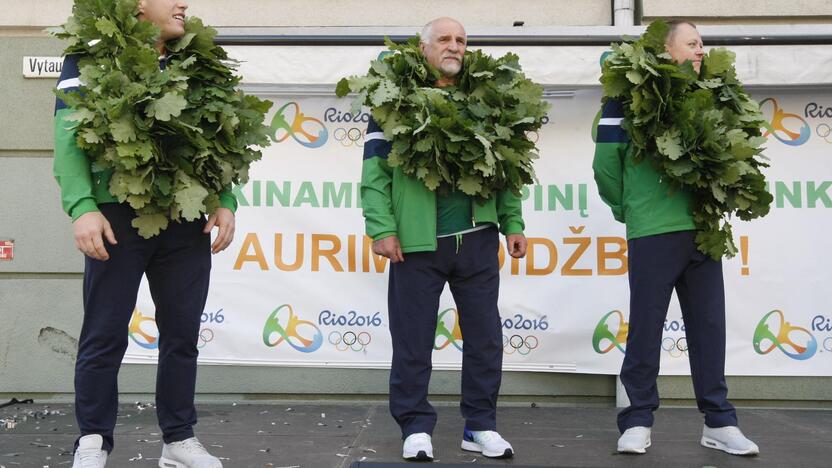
300,287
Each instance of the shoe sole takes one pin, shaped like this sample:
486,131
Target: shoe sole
635,450
421,456
168,463
475,447
717,445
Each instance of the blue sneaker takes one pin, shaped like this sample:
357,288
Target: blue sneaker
489,443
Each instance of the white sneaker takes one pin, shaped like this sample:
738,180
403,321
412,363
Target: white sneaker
729,439
489,443
417,447
89,453
634,440
188,453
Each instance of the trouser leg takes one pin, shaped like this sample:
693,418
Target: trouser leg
178,275
655,262
702,299
475,284
413,301
110,289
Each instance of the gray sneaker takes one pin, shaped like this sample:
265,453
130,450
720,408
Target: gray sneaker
89,453
729,439
188,453
634,440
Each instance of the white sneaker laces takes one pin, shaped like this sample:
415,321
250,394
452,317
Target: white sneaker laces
193,446
486,436
90,457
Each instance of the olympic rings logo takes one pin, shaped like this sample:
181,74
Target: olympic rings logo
675,348
777,125
827,344
145,336
296,332
765,340
826,133
520,345
447,329
350,340
307,131
206,335
350,136
604,332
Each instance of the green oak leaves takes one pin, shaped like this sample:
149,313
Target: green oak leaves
175,137
701,132
471,136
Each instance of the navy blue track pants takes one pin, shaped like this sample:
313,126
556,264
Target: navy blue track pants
472,272
657,265
178,264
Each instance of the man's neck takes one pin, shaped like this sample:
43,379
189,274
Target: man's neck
444,82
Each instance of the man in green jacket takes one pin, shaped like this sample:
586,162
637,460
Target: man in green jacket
431,240
177,263
663,256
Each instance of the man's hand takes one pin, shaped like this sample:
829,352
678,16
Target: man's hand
223,218
88,230
389,247
516,245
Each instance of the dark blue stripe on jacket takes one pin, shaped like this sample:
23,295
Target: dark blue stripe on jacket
68,72
612,133
376,148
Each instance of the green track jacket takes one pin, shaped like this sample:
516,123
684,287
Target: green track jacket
397,205
634,191
82,186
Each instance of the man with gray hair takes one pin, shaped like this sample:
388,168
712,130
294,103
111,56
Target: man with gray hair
432,239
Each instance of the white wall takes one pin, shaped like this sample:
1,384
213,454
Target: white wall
220,13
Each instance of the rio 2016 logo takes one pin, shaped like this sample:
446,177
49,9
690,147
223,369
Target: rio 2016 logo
290,121
773,331
447,330
145,333
142,330
611,332
789,129
283,325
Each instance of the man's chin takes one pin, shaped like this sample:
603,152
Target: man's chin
451,72
173,35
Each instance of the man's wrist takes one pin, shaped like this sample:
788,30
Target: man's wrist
383,235
87,205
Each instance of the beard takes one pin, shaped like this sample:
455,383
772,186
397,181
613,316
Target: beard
450,68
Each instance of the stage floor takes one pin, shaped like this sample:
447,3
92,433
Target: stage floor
321,435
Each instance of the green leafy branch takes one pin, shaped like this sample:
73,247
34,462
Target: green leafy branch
472,136
174,138
702,131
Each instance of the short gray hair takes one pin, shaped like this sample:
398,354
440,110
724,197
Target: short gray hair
674,26
427,31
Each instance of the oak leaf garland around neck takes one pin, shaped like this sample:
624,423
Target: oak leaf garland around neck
173,138
701,132
471,136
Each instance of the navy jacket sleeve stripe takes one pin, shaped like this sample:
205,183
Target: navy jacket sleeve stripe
376,145
609,127
69,79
